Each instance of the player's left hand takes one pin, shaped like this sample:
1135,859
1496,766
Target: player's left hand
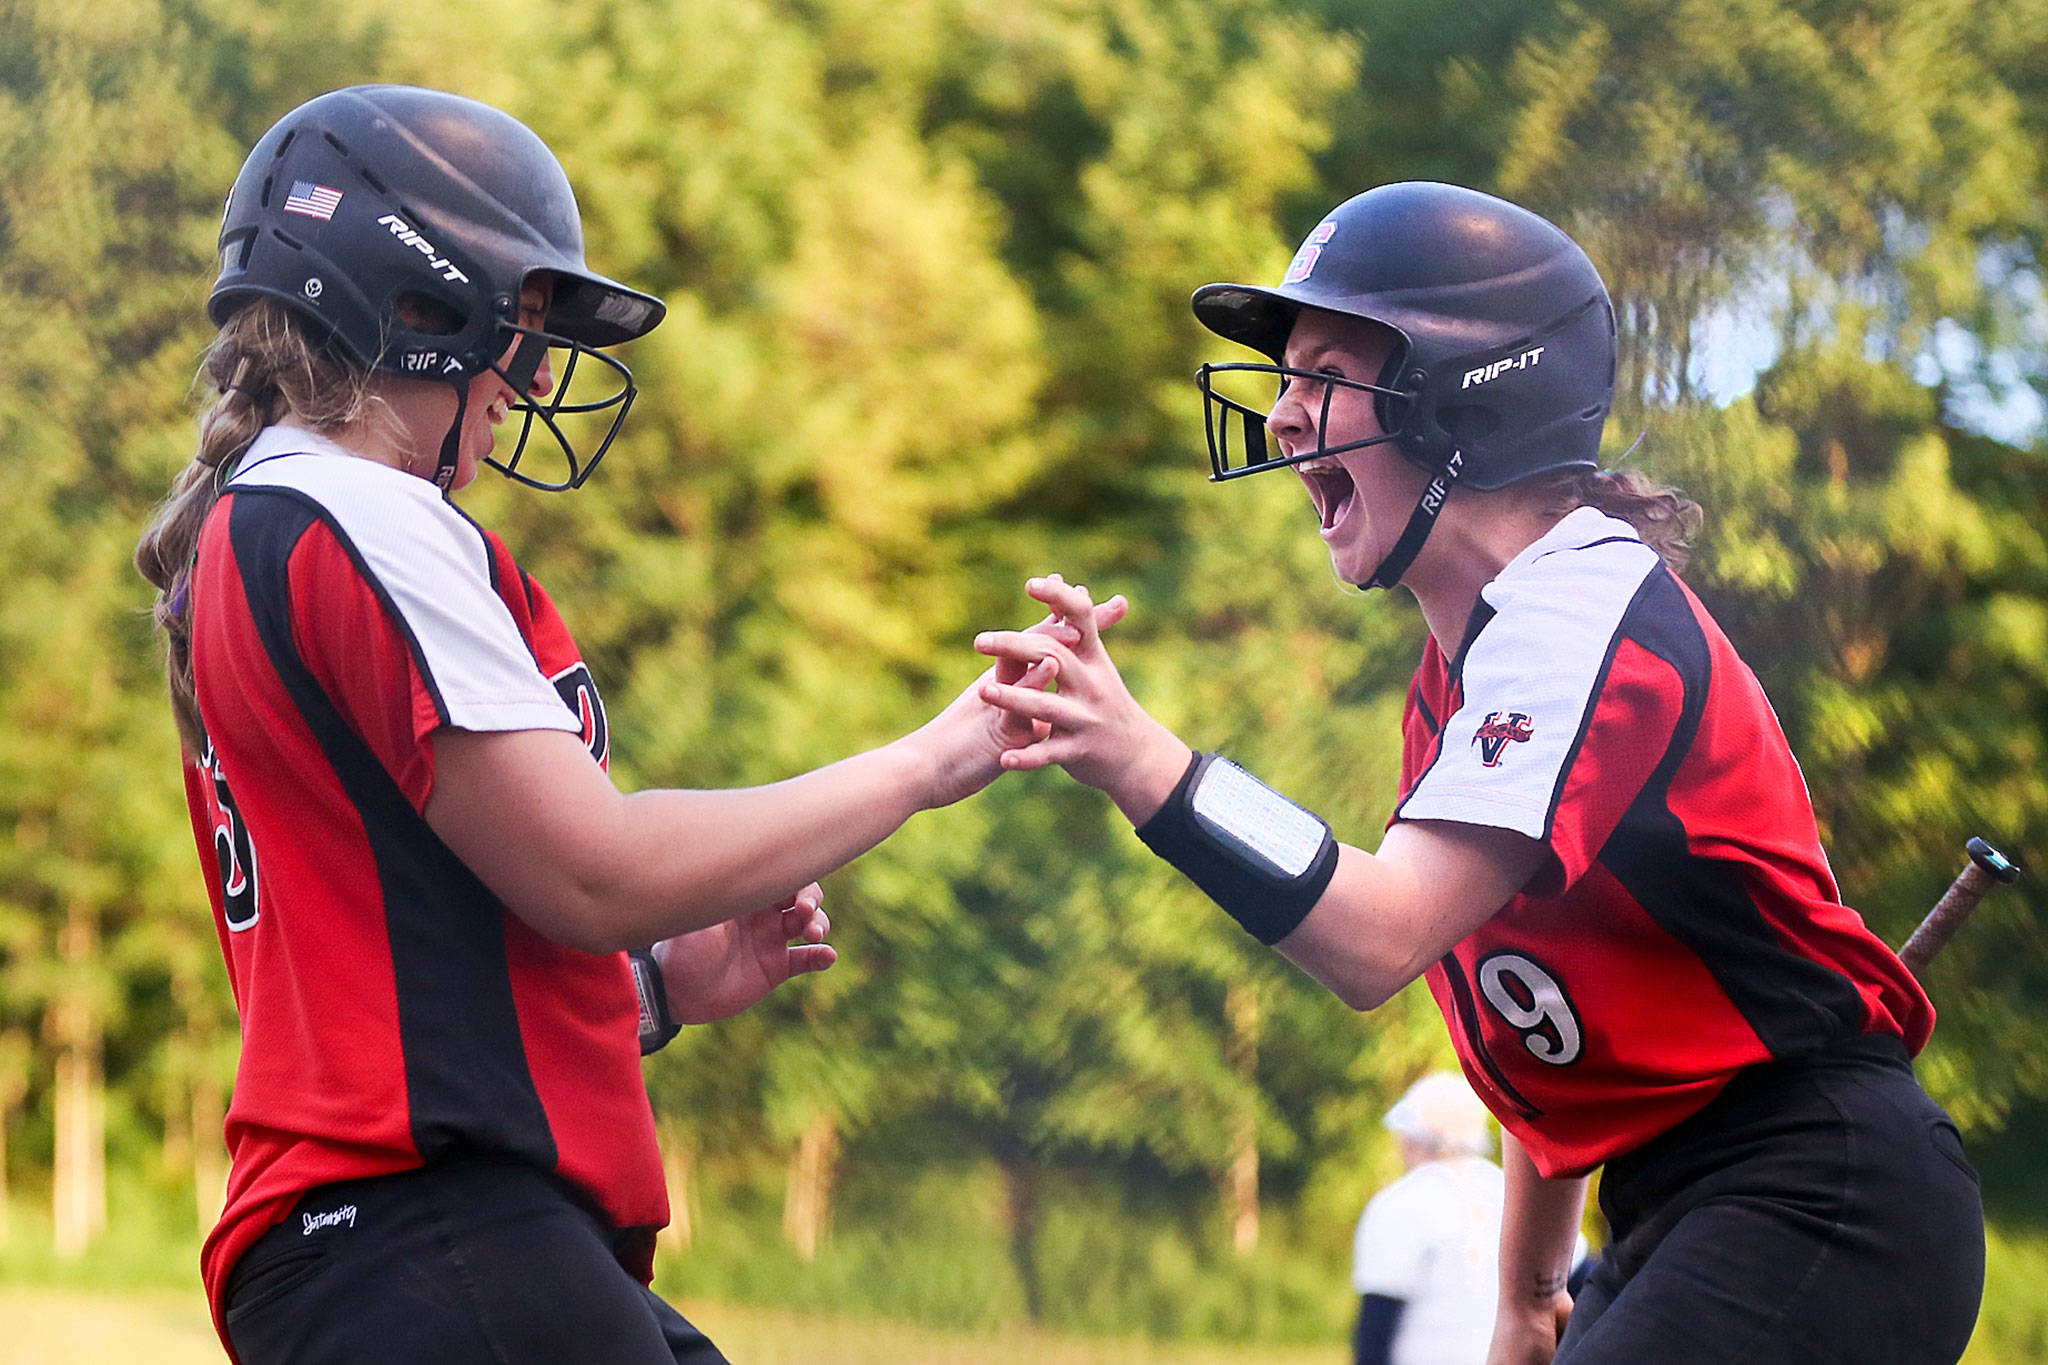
715,973
1528,1334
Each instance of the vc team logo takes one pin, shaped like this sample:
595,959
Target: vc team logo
1497,730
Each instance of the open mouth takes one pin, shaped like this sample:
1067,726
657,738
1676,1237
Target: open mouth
1329,487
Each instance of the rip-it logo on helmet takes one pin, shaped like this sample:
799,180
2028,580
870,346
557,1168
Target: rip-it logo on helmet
410,235
425,362
1486,373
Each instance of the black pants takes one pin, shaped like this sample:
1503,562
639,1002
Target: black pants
462,1263
1817,1211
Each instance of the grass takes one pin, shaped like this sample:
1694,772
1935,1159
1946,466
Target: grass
761,1336
938,1294
59,1326
52,1326
47,1324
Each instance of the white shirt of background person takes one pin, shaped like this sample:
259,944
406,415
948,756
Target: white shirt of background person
1432,1238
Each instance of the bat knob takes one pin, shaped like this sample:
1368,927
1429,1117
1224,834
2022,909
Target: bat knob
1994,863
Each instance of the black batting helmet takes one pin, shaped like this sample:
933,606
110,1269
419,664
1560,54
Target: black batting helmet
364,197
1505,361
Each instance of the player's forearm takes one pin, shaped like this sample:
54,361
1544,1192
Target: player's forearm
686,859
1387,916
1140,782
1538,1229
1370,934
543,827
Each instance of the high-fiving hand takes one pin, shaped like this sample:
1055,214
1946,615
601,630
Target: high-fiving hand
1091,725
961,749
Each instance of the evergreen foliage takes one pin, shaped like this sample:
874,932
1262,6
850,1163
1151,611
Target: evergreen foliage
928,264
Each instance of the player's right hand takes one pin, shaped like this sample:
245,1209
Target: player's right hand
1091,726
961,749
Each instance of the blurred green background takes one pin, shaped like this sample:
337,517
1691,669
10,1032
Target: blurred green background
928,264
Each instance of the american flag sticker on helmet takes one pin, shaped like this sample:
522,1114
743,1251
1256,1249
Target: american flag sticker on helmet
314,201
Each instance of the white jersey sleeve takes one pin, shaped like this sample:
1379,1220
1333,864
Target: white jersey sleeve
1531,675
430,567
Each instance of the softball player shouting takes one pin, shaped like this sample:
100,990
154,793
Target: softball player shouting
1603,858
425,883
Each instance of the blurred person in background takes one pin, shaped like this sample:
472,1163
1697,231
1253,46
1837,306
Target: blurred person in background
1425,1261
1426,1258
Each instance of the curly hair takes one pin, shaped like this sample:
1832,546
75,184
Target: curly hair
1664,517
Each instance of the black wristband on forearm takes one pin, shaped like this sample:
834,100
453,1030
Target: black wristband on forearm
1261,857
657,1025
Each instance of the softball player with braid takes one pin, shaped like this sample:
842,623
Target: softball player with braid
1603,858
424,881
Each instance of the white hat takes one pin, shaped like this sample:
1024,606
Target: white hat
1441,1112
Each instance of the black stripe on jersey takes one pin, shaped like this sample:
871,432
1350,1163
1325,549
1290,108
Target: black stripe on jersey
1481,616
526,586
466,1072
1454,685
1794,1004
497,585
1604,540
484,540
1429,720
1571,755
1468,1020
491,569
318,513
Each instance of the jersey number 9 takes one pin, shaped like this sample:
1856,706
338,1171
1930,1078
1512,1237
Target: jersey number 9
1532,1002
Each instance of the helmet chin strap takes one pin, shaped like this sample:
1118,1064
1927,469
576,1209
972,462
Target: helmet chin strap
1420,522
451,444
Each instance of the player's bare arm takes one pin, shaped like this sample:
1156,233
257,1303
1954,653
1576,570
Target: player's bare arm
544,827
1388,915
1539,1226
1383,918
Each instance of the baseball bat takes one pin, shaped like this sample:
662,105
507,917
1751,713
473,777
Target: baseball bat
1987,868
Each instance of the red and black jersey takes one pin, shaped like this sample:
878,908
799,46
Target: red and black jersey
392,1010
1686,924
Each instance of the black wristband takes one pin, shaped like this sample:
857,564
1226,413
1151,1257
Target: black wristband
657,1025
1263,858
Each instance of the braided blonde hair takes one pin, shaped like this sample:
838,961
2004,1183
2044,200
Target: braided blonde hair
265,367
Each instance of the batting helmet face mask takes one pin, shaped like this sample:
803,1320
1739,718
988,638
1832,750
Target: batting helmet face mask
369,210
1504,364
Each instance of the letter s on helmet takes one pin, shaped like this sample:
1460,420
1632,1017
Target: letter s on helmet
1505,361
362,197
